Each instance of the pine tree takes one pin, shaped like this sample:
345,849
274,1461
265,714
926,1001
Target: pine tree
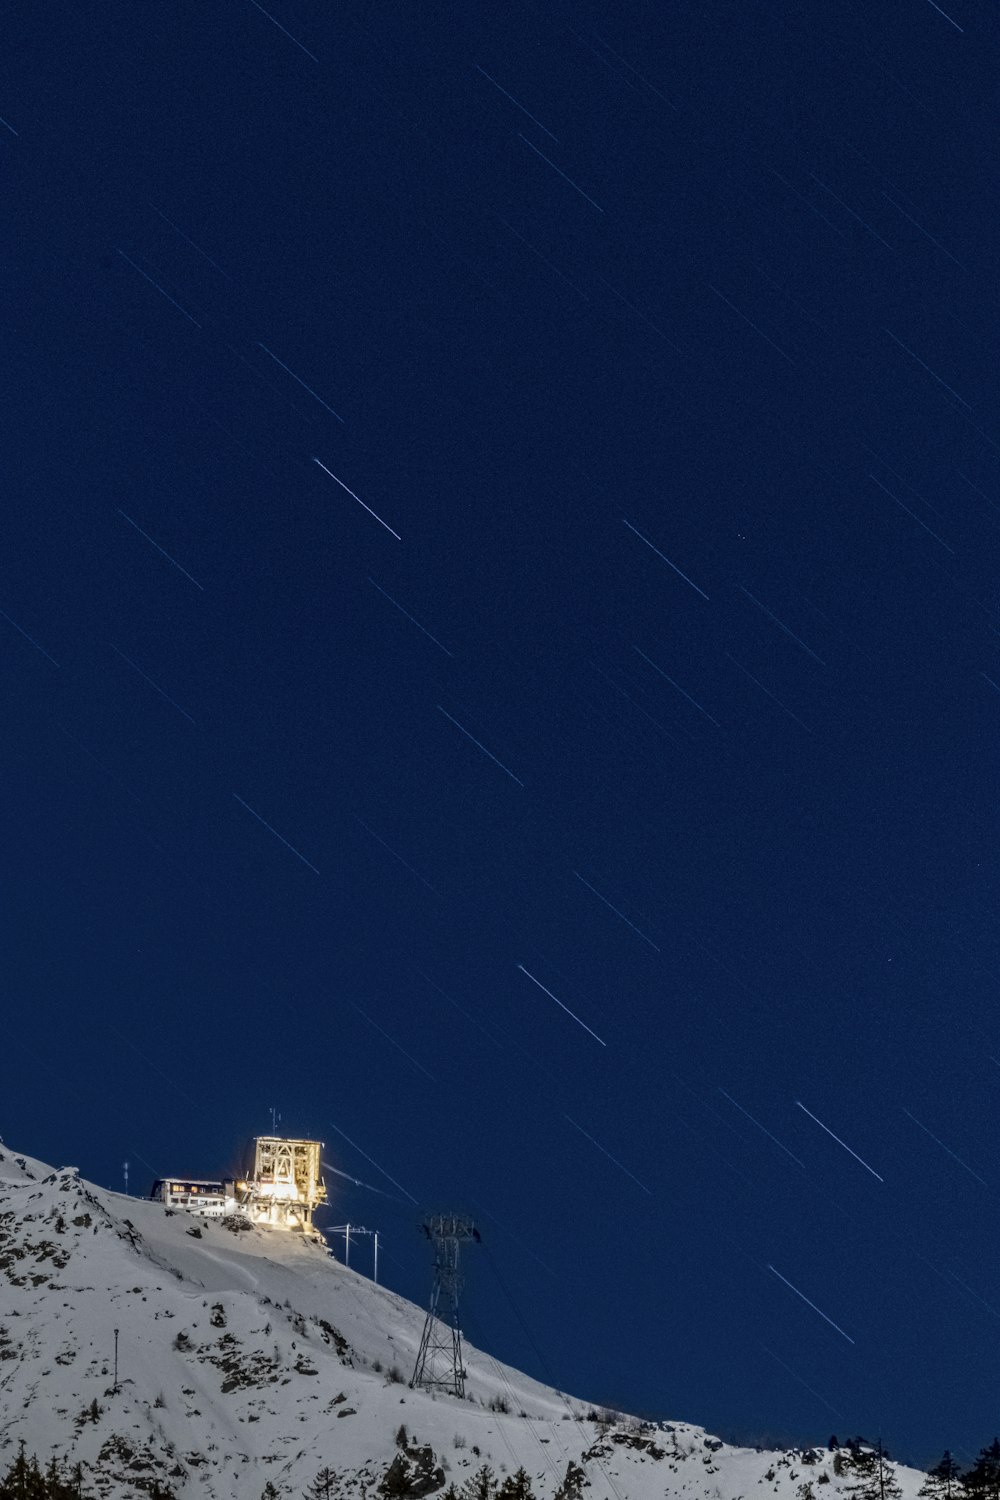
982,1482
943,1481
481,1486
269,1492
516,1486
875,1476
324,1486
36,1481
26,1481
23,1480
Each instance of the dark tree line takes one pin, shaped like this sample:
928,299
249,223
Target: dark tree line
867,1468
27,1480
982,1482
873,1477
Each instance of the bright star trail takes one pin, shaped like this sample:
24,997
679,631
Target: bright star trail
666,559
566,1008
353,496
345,1137
815,1309
839,1141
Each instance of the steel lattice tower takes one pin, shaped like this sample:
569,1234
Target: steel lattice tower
439,1359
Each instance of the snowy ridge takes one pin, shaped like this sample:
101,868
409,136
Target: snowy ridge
249,1355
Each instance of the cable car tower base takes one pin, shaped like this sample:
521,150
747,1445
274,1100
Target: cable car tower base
439,1364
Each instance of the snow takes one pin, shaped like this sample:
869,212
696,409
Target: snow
252,1356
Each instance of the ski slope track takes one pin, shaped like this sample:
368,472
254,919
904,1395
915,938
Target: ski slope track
250,1355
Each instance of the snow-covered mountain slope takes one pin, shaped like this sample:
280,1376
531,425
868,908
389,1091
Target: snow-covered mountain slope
247,1356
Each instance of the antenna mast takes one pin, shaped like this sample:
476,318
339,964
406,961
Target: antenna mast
439,1364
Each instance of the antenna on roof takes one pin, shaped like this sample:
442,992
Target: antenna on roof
439,1358
275,1117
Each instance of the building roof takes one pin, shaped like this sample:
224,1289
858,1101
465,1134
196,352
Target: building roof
182,1182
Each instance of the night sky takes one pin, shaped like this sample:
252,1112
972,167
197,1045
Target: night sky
500,661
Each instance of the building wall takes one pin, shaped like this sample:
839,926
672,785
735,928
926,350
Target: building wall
209,1200
287,1182
282,1191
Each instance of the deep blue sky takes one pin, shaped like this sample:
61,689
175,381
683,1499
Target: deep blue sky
722,272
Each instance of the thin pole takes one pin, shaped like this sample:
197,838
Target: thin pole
116,1361
347,1230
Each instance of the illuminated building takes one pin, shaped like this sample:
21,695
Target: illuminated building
286,1184
195,1195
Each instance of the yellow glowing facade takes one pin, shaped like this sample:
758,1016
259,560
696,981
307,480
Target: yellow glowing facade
286,1184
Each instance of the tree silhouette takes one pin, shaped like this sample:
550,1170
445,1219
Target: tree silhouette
516,1486
481,1486
943,1481
324,1486
983,1480
874,1477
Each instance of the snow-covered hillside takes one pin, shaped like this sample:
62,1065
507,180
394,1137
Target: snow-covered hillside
247,1356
